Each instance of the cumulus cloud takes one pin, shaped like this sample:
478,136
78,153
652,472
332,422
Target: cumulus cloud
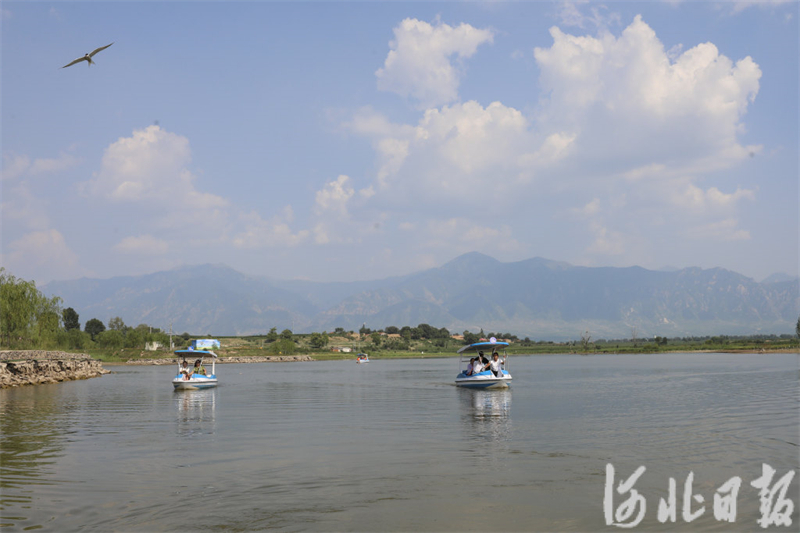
35,253
619,116
722,230
697,199
334,197
152,166
620,93
420,63
17,166
260,233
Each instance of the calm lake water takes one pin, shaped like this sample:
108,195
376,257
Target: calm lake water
394,446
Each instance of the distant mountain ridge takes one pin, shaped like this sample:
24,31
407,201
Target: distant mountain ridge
537,297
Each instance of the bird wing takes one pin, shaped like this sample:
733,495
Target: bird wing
91,54
75,61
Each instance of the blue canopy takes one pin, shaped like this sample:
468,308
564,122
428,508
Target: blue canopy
485,345
202,353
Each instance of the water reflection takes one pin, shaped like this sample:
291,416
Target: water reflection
196,411
487,414
31,440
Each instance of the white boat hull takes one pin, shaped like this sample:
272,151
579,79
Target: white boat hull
484,380
194,383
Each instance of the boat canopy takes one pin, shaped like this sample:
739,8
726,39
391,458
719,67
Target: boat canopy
202,353
488,345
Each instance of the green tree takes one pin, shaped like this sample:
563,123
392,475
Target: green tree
71,319
116,324
797,328
272,336
470,338
318,340
94,327
112,338
283,347
27,317
391,330
376,339
286,334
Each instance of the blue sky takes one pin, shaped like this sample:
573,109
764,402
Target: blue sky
347,141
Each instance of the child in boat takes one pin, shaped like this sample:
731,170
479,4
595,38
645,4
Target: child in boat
187,374
470,366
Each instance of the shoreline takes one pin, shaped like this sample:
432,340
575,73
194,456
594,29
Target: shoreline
39,367
377,357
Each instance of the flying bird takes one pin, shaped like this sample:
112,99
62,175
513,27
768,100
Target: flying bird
87,57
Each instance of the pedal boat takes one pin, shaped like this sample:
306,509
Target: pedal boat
485,379
195,381
362,358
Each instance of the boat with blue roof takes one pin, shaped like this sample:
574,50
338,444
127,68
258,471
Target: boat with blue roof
196,377
491,374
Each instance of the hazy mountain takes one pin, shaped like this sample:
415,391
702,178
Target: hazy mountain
778,277
537,297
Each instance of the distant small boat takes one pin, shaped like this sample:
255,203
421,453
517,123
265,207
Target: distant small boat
485,379
186,379
362,358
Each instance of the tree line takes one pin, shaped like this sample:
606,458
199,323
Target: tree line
29,319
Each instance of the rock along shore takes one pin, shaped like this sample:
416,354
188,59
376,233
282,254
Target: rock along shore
223,360
34,367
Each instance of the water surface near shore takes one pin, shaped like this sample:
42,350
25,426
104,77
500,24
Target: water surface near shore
393,446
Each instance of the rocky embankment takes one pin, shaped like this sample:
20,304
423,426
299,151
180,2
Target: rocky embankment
34,367
232,359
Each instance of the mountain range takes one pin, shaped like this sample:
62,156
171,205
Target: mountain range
537,298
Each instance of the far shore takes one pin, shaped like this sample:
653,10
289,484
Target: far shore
171,360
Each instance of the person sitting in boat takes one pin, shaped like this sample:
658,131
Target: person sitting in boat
480,363
470,366
496,365
187,374
198,368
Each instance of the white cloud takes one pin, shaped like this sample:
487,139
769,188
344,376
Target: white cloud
619,94
17,166
459,235
260,233
57,164
697,199
142,245
22,206
741,5
588,210
723,230
622,123
33,256
14,166
332,200
419,64
150,167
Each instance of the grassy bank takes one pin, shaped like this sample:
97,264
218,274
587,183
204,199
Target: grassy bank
333,350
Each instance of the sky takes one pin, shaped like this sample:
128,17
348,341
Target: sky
351,141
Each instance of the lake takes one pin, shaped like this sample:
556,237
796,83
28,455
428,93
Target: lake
393,445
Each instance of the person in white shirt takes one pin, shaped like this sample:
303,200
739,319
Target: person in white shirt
495,365
478,365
